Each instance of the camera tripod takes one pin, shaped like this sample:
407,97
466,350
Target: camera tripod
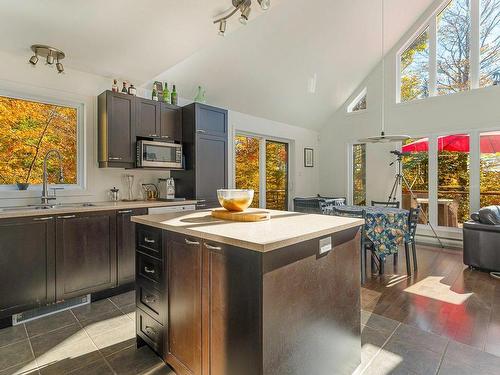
400,180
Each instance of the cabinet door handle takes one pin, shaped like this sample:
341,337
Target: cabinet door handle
201,131
125,212
150,299
194,243
201,205
43,218
147,240
66,217
150,330
111,158
165,136
210,247
148,270
201,200
153,135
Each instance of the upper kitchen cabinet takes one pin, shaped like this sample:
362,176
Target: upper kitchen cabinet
123,117
205,143
148,118
27,265
170,123
117,118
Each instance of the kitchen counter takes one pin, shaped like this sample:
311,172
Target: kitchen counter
284,228
96,206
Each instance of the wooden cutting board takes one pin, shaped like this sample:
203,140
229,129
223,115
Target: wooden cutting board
250,216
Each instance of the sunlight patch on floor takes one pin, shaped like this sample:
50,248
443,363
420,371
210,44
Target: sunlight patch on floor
432,287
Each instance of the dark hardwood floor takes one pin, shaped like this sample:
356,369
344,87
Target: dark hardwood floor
444,297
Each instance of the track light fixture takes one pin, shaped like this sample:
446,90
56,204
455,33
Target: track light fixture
245,8
51,55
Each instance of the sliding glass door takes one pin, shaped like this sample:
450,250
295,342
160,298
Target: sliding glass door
276,175
262,165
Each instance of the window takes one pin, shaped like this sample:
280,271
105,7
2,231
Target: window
415,69
490,169
28,129
247,165
453,47
359,174
458,49
489,42
453,180
415,173
262,165
358,104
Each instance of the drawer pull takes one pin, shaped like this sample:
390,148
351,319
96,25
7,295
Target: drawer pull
125,212
151,331
201,205
67,217
150,299
201,131
148,270
194,243
113,158
210,247
43,218
147,240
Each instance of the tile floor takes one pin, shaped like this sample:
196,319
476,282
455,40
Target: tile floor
94,339
100,339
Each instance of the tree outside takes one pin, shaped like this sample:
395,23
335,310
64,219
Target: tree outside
359,174
27,131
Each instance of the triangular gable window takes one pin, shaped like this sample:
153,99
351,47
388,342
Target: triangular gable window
358,104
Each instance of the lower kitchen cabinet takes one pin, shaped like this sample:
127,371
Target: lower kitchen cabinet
125,244
85,253
27,263
183,275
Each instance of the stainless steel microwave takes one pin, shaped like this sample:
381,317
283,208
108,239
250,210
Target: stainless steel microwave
153,154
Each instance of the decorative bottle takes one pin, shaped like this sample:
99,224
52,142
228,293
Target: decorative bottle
166,94
154,95
132,90
114,87
200,95
124,89
174,96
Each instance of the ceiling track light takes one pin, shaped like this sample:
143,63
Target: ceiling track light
245,8
51,55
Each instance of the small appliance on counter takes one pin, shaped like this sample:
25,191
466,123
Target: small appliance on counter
150,192
166,188
114,194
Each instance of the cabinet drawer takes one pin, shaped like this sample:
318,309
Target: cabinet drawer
149,241
149,268
149,330
149,299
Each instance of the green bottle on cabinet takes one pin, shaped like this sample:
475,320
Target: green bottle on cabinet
166,94
174,96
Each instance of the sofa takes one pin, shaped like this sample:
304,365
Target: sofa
482,239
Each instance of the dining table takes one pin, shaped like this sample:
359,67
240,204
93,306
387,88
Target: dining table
386,227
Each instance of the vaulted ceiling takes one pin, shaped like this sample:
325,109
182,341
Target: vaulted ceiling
263,69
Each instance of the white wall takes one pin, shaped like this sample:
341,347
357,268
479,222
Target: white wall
472,110
18,77
303,181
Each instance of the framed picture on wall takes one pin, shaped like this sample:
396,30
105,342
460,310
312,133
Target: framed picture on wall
308,157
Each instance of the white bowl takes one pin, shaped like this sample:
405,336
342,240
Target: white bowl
235,199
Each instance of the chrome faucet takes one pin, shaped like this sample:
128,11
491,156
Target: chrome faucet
46,197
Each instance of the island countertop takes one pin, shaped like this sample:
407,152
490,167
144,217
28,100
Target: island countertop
284,229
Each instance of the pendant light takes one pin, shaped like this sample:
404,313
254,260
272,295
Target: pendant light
383,138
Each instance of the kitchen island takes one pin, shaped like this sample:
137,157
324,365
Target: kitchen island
277,297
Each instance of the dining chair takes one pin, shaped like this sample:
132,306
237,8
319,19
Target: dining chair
412,229
366,244
326,207
390,204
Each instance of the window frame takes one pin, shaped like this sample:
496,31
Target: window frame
431,23
356,100
80,140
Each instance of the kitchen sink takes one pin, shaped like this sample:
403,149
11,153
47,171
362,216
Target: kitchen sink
46,206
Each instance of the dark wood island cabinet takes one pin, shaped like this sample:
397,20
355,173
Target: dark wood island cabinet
238,299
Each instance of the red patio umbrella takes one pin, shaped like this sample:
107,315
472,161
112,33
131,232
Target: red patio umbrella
490,143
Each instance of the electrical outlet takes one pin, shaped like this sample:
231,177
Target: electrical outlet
325,245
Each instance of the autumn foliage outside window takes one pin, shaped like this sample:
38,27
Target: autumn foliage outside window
28,130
